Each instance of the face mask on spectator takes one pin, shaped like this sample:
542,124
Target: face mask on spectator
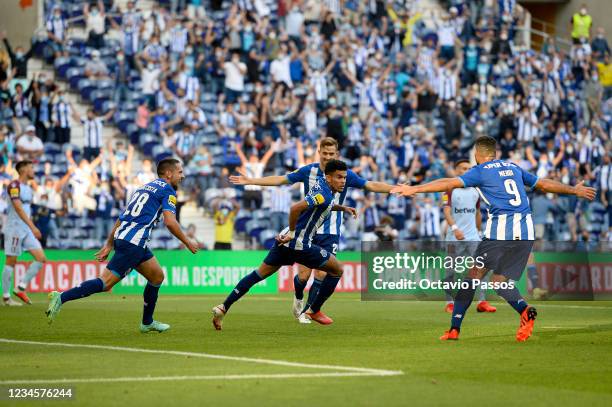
19,54
120,57
94,11
583,11
150,67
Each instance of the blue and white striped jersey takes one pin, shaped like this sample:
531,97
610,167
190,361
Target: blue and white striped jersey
308,175
144,210
320,200
501,186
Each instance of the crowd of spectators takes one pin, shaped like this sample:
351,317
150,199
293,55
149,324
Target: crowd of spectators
251,85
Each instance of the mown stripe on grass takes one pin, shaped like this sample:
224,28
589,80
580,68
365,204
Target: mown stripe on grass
368,371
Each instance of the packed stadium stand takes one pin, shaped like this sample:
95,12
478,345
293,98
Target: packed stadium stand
405,87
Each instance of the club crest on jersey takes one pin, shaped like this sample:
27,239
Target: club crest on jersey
14,192
323,253
319,199
172,200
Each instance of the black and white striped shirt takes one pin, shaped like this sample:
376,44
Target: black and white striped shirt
604,177
61,114
527,127
318,81
92,130
280,199
178,39
447,85
57,27
21,106
191,85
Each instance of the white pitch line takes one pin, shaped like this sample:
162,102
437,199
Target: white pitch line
188,378
372,372
572,306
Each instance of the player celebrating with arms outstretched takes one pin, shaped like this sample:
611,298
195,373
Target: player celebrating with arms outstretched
20,234
509,231
462,213
129,239
328,234
295,244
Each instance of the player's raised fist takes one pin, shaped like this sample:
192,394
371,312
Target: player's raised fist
585,192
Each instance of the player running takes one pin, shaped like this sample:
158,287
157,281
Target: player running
328,234
509,231
21,234
462,213
129,239
296,244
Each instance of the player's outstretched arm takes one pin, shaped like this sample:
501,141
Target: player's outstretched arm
175,228
294,213
103,253
270,181
378,187
439,185
556,187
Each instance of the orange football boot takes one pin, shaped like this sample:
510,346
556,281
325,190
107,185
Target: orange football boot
450,335
528,317
484,306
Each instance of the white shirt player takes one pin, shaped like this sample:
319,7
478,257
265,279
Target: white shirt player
23,192
464,204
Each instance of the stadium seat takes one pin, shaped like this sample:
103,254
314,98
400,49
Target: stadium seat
267,238
172,244
86,87
74,75
52,148
212,193
62,65
90,244
124,119
160,152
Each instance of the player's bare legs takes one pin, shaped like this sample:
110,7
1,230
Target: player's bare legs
332,270
152,271
31,272
243,287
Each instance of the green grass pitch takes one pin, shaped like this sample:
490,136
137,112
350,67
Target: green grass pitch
568,361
